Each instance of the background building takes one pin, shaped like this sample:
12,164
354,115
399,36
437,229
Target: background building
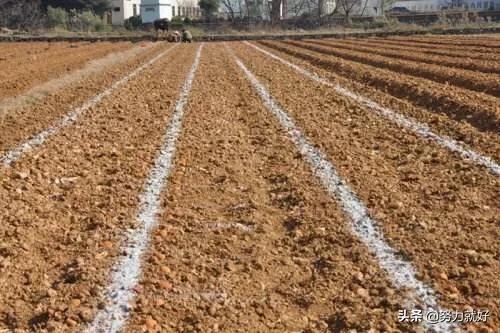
124,9
436,5
152,10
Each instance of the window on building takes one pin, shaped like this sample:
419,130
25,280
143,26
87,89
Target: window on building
134,9
173,10
116,9
485,4
179,11
149,9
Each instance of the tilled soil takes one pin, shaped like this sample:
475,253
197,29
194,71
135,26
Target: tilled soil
410,186
91,68
248,241
19,123
428,49
414,55
66,206
481,45
481,82
486,142
479,110
25,72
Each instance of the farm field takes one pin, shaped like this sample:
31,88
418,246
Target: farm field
27,67
264,186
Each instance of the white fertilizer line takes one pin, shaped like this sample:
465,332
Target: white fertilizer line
127,271
421,129
399,271
231,225
14,154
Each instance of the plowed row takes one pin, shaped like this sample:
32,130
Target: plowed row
54,60
456,42
480,82
416,55
248,237
445,47
479,110
427,49
20,123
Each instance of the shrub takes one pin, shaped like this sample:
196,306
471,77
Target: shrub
133,23
90,21
208,7
57,17
177,22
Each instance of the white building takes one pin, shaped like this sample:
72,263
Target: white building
152,10
423,5
480,5
436,5
124,9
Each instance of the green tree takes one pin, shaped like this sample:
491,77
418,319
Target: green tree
133,22
90,21
97,6
57,17
209,7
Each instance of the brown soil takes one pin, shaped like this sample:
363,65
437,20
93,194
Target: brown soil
93,67
480,45
19,53
414,55
410,186
66,206
25,73
481,82
248,239
484,142
479,110
428,49
17,124
297,268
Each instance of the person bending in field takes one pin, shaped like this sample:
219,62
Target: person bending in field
186,36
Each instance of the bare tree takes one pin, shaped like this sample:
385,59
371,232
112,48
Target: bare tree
364,7
347,7
229,6
275,11
385,4
296,8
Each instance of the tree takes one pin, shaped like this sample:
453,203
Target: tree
385,4
97,6
275,11
208,7
347,7
57,17
133,22
229,6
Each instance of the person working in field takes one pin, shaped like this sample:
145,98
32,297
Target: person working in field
186,36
